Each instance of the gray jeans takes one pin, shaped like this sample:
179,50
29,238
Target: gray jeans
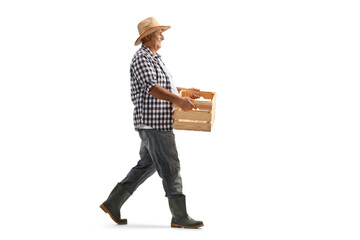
158,153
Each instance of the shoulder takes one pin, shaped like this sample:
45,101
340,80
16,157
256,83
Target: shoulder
141,54
141,58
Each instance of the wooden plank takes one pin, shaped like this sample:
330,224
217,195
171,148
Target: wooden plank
206,95
187,93
203,105
213,110
193,115
192,125
182,93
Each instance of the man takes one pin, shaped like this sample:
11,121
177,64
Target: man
153,94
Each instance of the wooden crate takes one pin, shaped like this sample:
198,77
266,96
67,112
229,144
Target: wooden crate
200,119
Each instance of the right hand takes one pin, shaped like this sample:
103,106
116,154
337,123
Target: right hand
185,103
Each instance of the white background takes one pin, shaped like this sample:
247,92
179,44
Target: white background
282,161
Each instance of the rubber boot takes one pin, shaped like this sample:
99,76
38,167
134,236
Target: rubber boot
180,218
114,202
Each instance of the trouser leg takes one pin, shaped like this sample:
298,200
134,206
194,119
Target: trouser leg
162,149
138,174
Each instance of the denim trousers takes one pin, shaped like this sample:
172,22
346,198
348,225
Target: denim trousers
157,153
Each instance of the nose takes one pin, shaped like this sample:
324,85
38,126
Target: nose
162,37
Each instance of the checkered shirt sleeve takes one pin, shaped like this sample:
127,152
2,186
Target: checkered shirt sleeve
145,72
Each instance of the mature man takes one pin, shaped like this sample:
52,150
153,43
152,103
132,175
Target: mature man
153,94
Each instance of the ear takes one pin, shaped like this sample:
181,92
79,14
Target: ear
145,39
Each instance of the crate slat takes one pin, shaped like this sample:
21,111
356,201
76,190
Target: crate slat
206,95
203,105
193,115
192,125
213,108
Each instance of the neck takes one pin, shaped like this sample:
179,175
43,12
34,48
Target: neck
152,49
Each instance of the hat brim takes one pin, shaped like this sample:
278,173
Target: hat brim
150,31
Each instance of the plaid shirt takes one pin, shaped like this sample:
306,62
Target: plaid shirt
145,72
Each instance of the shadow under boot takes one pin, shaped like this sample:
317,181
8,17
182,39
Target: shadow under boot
180,218
116,199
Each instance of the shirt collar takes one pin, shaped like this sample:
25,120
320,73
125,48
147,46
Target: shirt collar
146,49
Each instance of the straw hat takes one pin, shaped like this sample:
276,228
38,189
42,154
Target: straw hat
147,27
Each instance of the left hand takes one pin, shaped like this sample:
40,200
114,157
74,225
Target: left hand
193,95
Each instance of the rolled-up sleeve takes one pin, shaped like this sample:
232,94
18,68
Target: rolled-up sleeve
145,73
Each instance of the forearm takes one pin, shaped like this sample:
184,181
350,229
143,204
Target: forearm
163,94
180,88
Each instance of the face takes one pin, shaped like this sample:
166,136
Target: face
155,40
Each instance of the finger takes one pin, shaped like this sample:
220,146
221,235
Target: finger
194,96
192,104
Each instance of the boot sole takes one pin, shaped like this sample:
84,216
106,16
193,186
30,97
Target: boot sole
174,225
108,212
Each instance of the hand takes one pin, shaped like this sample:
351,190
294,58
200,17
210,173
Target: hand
185,103
193,95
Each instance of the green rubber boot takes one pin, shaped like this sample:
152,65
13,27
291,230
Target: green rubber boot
180,218
114,202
